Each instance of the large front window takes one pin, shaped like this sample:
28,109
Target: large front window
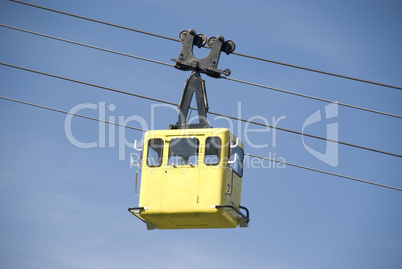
183,151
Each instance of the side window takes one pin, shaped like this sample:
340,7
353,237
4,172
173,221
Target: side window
155,150
212,150
183,151
237,155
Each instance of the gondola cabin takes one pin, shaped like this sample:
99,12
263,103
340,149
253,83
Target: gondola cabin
191,178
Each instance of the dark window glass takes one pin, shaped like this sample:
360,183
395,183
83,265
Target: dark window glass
237,154
155,150
183,151
212,150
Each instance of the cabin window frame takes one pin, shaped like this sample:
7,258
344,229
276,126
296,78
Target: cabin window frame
238,165
219,147
160,154
176,142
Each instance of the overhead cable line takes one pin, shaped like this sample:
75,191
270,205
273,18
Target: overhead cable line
231,79
251,155
313,97
323,172
89,84
319,71
86,45
213,113
238,54
70,113
97,21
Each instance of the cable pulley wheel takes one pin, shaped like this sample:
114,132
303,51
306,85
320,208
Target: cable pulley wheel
228,47
200,40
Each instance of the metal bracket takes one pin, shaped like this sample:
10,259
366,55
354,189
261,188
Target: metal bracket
194,85
208,65
135,212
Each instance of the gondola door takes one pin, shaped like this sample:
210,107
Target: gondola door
180,180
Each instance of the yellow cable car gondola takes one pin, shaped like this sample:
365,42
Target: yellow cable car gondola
192,173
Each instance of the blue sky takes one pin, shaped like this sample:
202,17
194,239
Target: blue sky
66,207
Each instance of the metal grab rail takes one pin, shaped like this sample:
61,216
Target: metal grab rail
243,222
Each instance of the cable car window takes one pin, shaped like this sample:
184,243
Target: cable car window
183,151
212,150
237,154
155,149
